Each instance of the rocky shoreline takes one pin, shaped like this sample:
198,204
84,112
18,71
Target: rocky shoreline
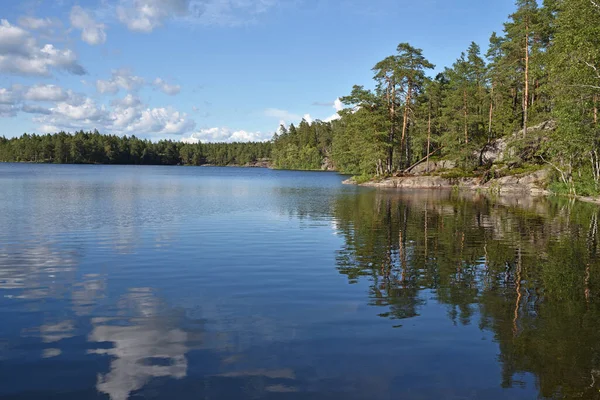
532,183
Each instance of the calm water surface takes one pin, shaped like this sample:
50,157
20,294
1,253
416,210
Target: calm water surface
226,283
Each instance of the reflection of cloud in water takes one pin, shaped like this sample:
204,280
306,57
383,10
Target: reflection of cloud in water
52,333
86,294
50,353
142,352
37,270
146,347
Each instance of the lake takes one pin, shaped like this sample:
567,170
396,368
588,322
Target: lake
121,282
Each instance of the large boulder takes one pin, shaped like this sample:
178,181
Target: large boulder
434,166
493,151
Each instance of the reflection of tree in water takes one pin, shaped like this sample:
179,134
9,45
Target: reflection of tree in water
528,273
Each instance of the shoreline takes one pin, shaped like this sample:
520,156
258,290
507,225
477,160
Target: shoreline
532,184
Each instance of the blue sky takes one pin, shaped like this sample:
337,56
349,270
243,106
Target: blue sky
211,70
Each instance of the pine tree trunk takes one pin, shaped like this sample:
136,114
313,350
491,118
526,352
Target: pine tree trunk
466,117
390,160
405,121
526,95
595,109
428,136
491,117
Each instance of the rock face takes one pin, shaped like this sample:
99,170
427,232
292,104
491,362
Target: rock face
494,151
434,166
262,163
422,182
532,184
327,164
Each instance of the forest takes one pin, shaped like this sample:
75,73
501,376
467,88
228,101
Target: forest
95,148
544,68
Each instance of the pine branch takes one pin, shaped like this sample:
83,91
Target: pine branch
594,68
586,86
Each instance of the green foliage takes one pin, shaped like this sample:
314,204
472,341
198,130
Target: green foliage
302,148
457,173
95,148
582,184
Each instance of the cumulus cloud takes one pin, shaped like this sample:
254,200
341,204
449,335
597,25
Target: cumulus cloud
162,121
46,93
337,104
92,32
34,109
7,110
65,110
20,54
7,96
147,15
286,117
166,88
282,115
120,79
128,115
37,24
86,111
223,134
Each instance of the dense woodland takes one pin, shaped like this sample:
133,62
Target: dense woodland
95,148
544,66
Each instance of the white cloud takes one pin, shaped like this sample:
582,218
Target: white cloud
126,112
147,15
7,110
33,109
46,93
7,96
337,104
162,121
71,111
37,24
231,12
283,115
286,117
121,79
48,129
125,116
92,32
166,88
87,111
20,54
223,134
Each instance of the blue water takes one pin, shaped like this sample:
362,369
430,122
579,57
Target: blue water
122,282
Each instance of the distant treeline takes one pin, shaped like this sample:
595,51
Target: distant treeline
304,147
95,148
